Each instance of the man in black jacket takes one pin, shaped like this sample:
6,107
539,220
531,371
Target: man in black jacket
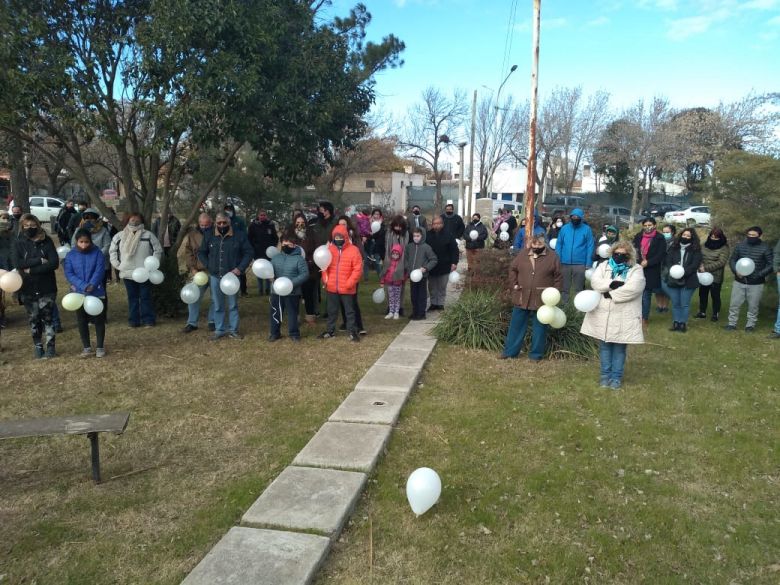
63,219
751,286
262,235
453,223
445,247
474,245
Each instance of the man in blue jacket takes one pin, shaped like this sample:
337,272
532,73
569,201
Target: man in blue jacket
224,250
575,249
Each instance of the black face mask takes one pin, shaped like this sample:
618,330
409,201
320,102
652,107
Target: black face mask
449,213
31,232
753,240
223,229
576,221
338,243
620,258
416,212
537,251
88,225
684,241
288,249
203,230
16,215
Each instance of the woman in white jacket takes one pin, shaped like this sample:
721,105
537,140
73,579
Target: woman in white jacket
617,321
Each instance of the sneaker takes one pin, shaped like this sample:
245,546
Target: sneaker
700,315
38,353
189,328
272,338
100,352
730,327
326,335
50,353
133,325
363,332
615,384
773,335
604,383
148,325
396,316
212,327
86,352
502,356
683,327
236,336
750,329
389,315
714,318
216,336
354,337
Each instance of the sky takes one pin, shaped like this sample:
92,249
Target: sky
694,52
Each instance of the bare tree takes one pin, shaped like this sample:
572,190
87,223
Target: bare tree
429,126
496,139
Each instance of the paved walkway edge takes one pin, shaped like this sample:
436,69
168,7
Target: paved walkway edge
303,511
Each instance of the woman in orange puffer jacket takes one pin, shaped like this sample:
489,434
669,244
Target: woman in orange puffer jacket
341,278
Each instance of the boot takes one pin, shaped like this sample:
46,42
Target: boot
50,353
675,326
683,327
701,315
714,318
38,352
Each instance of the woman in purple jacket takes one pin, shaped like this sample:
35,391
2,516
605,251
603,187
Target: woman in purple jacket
85,266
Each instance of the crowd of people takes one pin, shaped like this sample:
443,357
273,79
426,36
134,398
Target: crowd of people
559,255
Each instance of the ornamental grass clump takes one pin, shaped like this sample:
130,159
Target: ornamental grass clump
477,321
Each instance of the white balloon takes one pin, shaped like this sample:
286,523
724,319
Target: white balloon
262,268
378,296
201,278
322,257
2,272
589,274
271,251
156,276
11,282
553,242
503,236
705,278
376,226
454,277
677,271
423,489
551,296
545,314
63,250
587,300
140,275
283,286
93,306
229,284
72,301
190,293
473,234
559,320
604,250
416,275
745,266
504,227
151,263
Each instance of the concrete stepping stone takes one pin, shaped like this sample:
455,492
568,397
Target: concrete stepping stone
389,378
403,358
340,445
261,557
419,328
413,343
370,406
305,498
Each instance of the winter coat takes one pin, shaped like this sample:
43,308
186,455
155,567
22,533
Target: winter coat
293,266
192,242
262,234
309,245
761,254
519,242
324,228
446,249
617,319
453,224
363,224
6,249
101,239
417,221
62,222
656,255
222,254
529,276
391,240
85,268
378,239
148,246
345,270
419,256
575,245
691,264
714,261
482,235
29,254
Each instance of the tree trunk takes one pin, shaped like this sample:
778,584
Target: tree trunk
634,198
20,188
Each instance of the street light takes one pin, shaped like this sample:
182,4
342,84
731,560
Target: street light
461,202
498,96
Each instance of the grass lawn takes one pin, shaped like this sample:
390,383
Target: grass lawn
548,478
212,424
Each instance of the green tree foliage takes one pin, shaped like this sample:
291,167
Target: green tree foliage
747,192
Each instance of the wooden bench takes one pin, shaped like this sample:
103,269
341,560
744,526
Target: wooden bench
90,425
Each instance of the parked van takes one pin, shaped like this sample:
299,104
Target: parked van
562,203
491,207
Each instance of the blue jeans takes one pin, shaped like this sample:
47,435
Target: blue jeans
224,306
55,316
516,334
681,302
285,307
777,323
647,297
264,286
194,309
140,308
613,361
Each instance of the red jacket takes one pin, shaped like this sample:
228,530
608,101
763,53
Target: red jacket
345,270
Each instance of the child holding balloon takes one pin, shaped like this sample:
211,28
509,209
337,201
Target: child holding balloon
419,259
85,267
394,285
286,294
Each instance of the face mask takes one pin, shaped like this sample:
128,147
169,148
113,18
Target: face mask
203,230
449,213
649,230
134,224
475,221
223,229
620,258
667,236
301,233
16,215
288,249
416,212
397,230
576,220
538,251
338,243
559,223
30,232
753,240
417,239
88,225
685,241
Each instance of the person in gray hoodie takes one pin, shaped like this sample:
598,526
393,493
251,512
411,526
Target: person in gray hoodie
419,255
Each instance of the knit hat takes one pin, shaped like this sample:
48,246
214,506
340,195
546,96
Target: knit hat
611,228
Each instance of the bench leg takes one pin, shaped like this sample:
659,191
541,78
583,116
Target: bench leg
93,440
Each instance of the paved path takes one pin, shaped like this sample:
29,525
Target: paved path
287,533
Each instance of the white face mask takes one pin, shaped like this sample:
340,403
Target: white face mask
417,239
559,223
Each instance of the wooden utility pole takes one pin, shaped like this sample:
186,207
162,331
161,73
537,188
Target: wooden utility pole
530,187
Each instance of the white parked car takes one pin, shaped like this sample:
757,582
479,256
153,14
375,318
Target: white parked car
691,216
43,207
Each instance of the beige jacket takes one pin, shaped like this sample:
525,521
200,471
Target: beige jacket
619,319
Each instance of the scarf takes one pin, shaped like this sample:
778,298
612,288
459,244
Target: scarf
128,246
644,245
683,251
711,244
618,270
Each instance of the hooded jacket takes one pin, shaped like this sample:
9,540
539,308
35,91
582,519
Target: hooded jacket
293,266
575,244
519,242
419,256
617,319
446,249
761,254
100,234
29,254
222,254
391,267
482,235
529,276
453,224
85,268
345,270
